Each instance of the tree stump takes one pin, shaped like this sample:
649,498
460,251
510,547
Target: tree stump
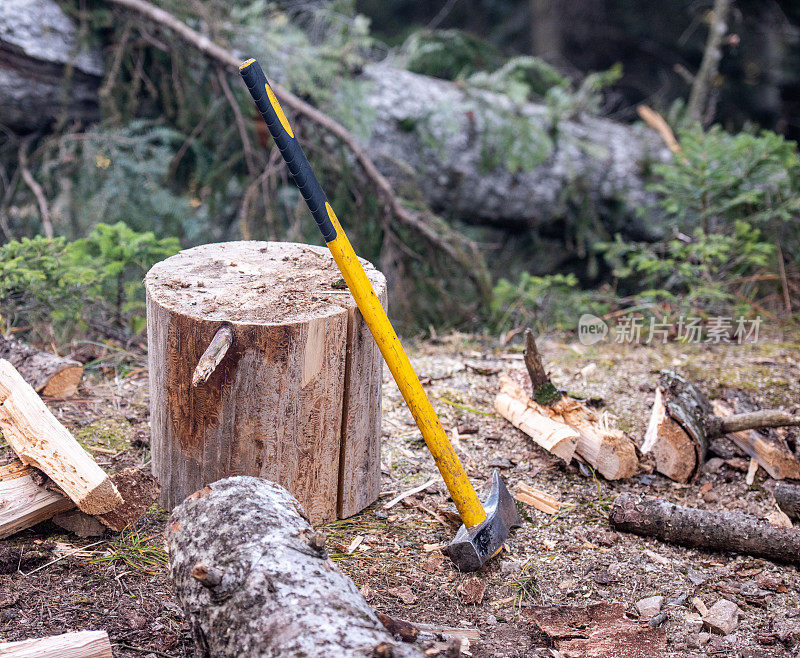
289,386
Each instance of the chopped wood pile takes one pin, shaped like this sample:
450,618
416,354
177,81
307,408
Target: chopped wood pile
684,423
53,473
564,426
683,427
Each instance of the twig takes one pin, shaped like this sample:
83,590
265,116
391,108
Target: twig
408,493
752,420
249,155
436,231
44,211
130,647
62,557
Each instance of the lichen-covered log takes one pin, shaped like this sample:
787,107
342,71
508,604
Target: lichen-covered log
715,531
254,579
436,134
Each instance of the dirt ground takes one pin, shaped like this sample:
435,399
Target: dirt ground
120,583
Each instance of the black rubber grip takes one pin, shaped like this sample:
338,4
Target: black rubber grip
290,149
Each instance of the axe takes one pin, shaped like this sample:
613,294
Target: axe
485,527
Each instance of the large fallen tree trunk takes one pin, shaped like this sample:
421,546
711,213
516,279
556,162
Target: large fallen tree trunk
715,531
254,579
430,132
40,49
606,156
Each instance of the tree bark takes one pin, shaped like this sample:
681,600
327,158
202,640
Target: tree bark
295,397
38,45
715,531
47,373
253,578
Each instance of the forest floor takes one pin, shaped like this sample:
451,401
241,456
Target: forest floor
571,558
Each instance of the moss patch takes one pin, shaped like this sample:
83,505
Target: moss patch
113,433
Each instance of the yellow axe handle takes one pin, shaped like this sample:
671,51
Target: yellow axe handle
466,500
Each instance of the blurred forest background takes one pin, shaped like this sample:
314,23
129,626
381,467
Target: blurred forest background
505,162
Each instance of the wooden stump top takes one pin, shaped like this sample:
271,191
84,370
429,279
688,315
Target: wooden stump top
252,282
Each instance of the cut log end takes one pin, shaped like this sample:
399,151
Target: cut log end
102,499
65,382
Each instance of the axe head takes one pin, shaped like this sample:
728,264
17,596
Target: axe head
472,547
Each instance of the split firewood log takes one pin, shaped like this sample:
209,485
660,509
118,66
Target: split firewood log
563,425
47,373
24,502
683,421
254,579
39,440
85,644
715,531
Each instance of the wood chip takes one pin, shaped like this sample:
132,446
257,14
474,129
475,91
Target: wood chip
539,499
355,544
698,604
655,557
779,518
751,472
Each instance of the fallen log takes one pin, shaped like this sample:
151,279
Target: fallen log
47,373
39,440
715,531
23,502
253,578
84,644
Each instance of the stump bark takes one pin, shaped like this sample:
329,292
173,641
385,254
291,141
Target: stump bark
295,398
253,578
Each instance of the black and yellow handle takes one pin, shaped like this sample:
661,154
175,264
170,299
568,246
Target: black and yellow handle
464,496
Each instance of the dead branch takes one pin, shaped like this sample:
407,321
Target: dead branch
715,531
752,420
36,189
433,229
699,105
